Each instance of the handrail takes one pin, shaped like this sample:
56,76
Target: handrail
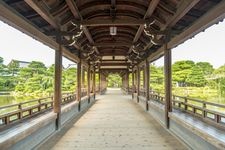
194,106
20,111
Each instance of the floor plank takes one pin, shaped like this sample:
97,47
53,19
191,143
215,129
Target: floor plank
114,122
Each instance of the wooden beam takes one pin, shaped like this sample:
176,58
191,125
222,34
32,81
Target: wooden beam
73,7
184,7
113,44
17,21
114,60
43,11
212,17
116,22
114,64
57,83
38,7
113,3
151,8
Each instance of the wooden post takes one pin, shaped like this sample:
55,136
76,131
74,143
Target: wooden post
133,90
147,82
94,82
82,77
79,84
138,83
88,82
57,87
127,81
143,73
168,82
100,82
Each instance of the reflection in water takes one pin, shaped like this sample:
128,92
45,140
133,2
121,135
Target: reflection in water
7,99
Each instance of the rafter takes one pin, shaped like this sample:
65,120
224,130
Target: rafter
112,44
73,7
115,64
44,13
116,22
151,8
41,9
184,7
213,16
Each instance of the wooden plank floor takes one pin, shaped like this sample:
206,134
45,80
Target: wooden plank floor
114,122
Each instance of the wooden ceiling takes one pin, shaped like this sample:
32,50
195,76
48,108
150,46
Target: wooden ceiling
92,18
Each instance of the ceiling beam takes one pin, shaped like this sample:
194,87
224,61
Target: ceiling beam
112,54
17,21
212,17
113,3
184,7
44,13
41,9
113,44
151,8
116,22
114,64
73,7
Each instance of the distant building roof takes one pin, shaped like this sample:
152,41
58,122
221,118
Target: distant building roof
70,66
22,64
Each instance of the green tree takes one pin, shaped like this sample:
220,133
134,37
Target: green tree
33,79
1,60
156,74
69,79
206,67
14,67
219,78
196,77
180,71
114,80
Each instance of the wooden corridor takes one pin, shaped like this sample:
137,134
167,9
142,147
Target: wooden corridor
114,122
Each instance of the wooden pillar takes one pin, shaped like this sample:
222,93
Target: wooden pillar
147,82
138,83
57,87
79,84
143,73
94,82
133,89
83,76
88,82
99,76
127,81
123,82
168,83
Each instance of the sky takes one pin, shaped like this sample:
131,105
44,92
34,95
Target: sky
207,46
19,46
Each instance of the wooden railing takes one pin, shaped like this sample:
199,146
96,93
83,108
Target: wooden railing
206,110
142,92
97,88
84,92
20,111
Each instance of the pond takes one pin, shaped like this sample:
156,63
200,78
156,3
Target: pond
8,100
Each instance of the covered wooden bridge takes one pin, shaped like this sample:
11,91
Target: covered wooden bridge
104,37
